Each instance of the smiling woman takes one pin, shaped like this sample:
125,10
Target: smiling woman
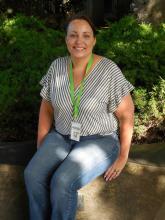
80,39
89,100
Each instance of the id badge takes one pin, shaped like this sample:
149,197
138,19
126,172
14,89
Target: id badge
75,131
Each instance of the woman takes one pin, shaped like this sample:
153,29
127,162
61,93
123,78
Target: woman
89,99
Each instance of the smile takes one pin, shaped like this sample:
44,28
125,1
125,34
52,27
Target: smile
79,48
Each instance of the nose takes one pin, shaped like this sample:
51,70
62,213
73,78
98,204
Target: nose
79,39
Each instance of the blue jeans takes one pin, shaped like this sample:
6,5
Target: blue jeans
60,167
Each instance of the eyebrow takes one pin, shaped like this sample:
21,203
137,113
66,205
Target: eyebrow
86,32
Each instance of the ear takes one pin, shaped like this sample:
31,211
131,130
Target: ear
94,42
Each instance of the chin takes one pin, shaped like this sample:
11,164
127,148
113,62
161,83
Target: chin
79,55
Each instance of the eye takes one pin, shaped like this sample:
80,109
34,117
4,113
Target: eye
87,36
72,35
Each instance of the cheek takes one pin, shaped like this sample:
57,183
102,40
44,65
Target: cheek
91,44
69,46
68,40
70,43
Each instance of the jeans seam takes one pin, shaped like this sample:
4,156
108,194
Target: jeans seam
68,210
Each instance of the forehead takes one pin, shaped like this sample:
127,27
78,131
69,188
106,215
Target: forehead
79,24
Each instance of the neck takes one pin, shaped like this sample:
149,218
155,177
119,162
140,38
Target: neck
80,62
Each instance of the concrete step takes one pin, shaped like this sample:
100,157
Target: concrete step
138,194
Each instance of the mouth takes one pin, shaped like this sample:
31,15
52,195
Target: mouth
79,48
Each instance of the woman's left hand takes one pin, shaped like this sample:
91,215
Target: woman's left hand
116,168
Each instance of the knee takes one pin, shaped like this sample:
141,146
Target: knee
61,183
32,181
27,174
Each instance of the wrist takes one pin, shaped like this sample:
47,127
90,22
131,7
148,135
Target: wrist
123,156
40,139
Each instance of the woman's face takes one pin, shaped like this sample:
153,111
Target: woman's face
80,39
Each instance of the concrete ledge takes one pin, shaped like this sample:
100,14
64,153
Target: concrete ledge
149,154
138,194
13,200
17,153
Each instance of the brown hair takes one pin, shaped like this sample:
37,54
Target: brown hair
81,17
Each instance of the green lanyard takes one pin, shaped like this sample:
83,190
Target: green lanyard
76,102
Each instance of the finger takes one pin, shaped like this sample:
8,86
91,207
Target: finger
110,170
114,176
110,175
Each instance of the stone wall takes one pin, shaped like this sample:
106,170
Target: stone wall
149,10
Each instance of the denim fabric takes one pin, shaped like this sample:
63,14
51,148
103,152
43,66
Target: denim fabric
60,167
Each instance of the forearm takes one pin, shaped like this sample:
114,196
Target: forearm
45,121
125,115
126,131
43,129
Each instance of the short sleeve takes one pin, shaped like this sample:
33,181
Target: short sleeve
46,83
119,87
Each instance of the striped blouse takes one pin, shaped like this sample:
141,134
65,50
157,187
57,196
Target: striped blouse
104,88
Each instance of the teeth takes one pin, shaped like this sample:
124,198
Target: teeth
79,48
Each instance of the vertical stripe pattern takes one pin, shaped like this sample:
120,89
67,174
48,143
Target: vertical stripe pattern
104,88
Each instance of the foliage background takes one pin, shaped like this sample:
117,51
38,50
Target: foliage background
28,47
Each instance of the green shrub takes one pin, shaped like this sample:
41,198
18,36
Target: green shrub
150,110
156,103
140,99
137,48
27,49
